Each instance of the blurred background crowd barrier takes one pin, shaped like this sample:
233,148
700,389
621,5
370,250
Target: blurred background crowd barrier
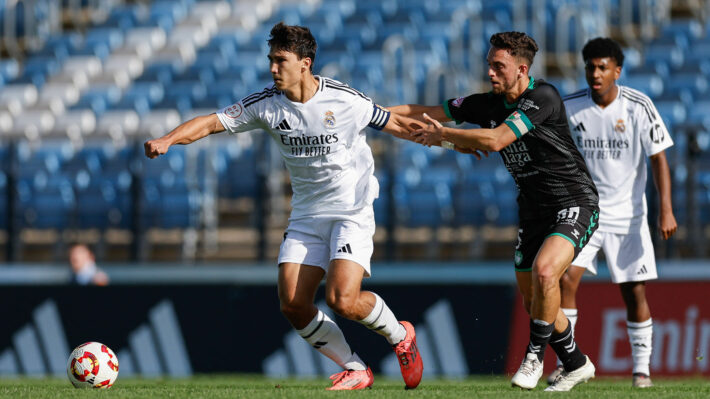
83,83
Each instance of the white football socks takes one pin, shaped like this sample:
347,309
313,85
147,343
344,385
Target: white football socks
382,321
327,338
640,338
572,317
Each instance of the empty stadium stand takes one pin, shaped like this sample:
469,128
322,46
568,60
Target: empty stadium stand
82,88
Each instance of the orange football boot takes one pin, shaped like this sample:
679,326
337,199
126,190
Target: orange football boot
410,362
349,380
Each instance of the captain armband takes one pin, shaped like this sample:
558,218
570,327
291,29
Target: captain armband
380,117
519,123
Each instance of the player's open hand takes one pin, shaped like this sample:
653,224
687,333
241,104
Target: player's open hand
430,134
155,148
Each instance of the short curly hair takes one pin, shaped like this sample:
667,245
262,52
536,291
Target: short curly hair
518,43
296,39
602,47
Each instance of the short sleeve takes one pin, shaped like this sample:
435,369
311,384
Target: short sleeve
651,129
244,114
465,109
534,108
367,113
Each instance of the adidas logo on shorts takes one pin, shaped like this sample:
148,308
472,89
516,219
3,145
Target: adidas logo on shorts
345,249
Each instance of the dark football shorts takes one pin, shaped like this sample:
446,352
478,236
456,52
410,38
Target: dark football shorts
575,224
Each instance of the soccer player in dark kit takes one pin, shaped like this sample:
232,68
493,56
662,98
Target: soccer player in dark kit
524,120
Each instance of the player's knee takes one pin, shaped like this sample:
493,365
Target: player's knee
546,275
568,285
342,304
292,308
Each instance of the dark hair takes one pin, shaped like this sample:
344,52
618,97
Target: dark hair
603,47
518,43
295,39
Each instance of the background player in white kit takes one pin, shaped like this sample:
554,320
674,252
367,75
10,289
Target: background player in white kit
318,125
615,128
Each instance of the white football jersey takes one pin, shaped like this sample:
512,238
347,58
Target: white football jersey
321,141
615,142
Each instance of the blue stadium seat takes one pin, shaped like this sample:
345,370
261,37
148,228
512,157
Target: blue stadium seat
211,102
109,37
234,159
162,72
100,205
122,18
423,205
672,111
688,29
97,49
168,202
3,197
175,10
49,157
695,83
140,97
668,54
153,92
36,70
98,99
9,69
660,69
45,202
183,104
382,203
226,47
698,112
650,84
198,73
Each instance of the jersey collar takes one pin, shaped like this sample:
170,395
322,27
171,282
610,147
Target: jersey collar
513,105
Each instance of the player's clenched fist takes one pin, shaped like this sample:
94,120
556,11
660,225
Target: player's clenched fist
154,148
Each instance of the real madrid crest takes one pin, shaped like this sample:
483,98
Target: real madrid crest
620,126
329,120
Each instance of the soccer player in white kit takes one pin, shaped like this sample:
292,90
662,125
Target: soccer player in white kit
318,125
616,128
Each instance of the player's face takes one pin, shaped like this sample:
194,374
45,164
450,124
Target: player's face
504,70
601,73
286,69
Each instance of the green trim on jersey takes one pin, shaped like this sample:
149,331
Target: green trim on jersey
509,106
529,269
565,237
519,123
445,105
515,104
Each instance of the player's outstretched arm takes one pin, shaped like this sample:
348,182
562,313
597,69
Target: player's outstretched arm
467,139
416,111
402,126
662,179
186,133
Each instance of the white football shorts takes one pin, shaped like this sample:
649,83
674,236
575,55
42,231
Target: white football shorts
315,240
629,257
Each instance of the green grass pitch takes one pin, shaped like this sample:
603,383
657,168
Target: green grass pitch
245,386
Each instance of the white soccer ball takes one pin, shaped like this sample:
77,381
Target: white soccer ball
92,365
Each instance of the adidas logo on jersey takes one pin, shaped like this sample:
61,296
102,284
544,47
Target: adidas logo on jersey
642,270
284,125
345,249
580,128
